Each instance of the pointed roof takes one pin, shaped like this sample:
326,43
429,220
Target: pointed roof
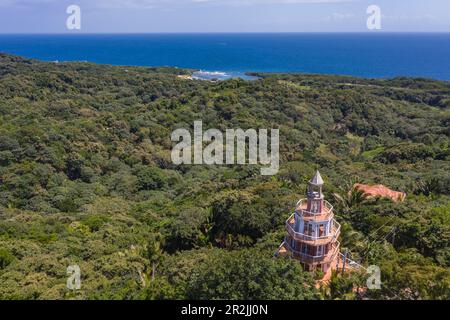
317,179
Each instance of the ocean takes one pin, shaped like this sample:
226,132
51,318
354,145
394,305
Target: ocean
373,55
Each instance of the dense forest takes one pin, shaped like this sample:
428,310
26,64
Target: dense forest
86,179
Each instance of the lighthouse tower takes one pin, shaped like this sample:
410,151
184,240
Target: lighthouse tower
312,231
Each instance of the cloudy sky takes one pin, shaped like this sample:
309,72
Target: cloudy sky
124,16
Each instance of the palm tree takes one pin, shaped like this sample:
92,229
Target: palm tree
348,197
155,252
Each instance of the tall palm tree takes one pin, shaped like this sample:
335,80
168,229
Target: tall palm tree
348,197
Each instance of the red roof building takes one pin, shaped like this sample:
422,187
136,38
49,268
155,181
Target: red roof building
380,191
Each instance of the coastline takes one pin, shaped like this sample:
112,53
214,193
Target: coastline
196,74
377,56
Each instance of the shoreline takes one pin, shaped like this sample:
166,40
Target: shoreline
363,55
233,74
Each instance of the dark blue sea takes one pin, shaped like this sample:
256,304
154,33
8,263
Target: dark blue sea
373,55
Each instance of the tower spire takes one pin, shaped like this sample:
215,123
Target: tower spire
315,188
317,179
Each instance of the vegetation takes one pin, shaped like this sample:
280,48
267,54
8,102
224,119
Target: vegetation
86,178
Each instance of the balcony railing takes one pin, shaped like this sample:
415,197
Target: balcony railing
307,258
327,208
349,263
334,234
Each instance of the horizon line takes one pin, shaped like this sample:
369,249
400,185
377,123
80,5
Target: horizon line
225,32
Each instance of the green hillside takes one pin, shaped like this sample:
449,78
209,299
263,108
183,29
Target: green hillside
86,179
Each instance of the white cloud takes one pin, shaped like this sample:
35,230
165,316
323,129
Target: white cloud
22,3
188,3
147,4
404,17
342,16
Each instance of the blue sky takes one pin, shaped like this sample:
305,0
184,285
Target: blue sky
123,16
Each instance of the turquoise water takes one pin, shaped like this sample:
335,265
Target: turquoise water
365,54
